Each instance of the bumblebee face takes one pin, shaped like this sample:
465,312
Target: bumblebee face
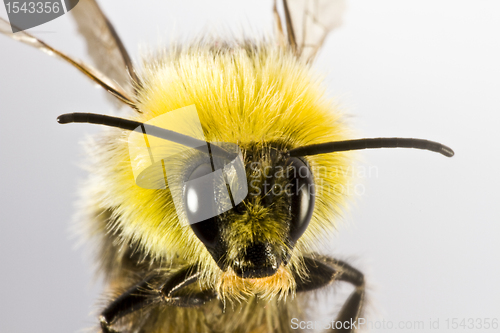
258,235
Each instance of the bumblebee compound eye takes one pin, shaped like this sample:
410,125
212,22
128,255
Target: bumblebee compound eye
302,192
199,204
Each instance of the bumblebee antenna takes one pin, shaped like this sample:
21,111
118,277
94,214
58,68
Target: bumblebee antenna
371,143
100,119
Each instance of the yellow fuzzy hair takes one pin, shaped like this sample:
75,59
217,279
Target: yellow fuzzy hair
249,95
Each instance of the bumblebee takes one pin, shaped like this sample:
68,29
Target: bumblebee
177,268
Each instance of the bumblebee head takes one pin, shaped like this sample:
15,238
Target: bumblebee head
241,96
257,236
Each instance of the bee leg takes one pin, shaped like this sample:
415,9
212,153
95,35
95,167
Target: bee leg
323,271
144,294
105,326
135,298
352,309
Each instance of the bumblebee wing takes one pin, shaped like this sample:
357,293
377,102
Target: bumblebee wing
103,44
308,23
112,87
280,33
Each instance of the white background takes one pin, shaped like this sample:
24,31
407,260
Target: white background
425,230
